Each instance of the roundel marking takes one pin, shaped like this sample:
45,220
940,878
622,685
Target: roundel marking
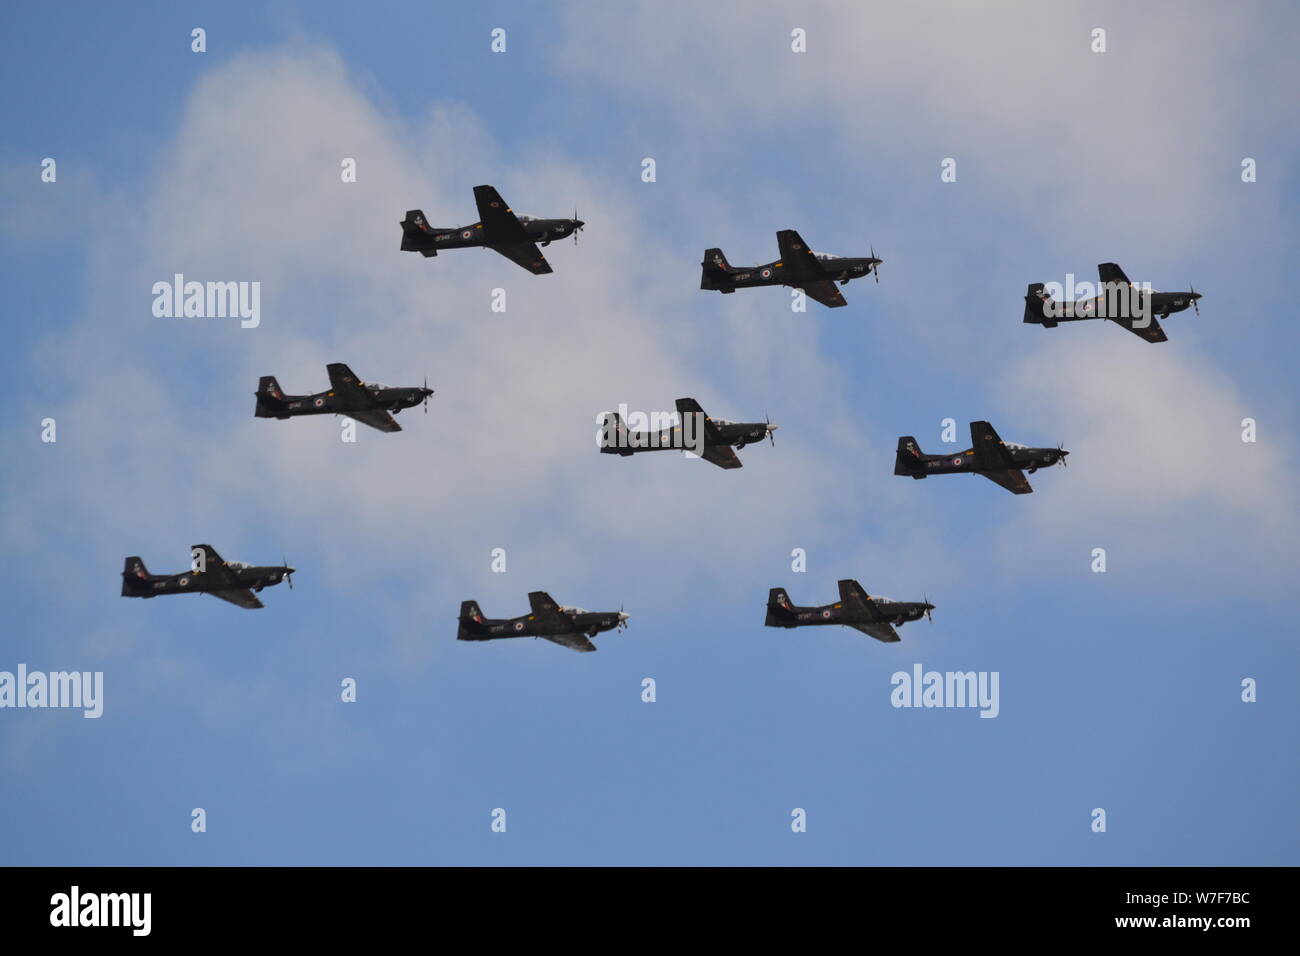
956,461
766,273
319,402
519,625
183,581
466,234
826,614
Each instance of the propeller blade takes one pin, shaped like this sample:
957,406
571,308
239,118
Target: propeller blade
928,616
770,435
875,269
288,575
426,394
1195,305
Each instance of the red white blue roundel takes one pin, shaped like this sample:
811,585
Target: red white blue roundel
766,273
826,613
319,402
519,625
466,234
183,581
957,460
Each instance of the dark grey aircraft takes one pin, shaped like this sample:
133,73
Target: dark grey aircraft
710,438
498,228
231,581
799,267
856,608
368,402
1127,305
990,456
568,626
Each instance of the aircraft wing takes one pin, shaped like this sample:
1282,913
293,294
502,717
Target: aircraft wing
721,455
1151,330
241,597
1012,479
548,616
854,598
376,418
716,451
797,258
880,630
500,224
572,640
994,462
825,292
215,570
689,406
990,453
526,254
344,381
1111,272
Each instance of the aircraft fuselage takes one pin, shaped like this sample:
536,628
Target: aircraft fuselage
140,583
1030,459
777,273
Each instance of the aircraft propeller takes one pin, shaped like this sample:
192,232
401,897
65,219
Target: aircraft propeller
1194,303
622,618
426,394
875,269
577,225
288,574
770,430
928,608
1060,454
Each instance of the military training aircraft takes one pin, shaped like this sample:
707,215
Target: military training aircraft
498,228
799,267
990,456
568,626
1121,301
367,402
856,608
709,438
209,574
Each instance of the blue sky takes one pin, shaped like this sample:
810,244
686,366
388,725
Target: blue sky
1118,690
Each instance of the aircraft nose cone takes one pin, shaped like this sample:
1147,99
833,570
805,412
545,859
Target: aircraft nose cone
290,570
772,428
578,224
623,616
1196,295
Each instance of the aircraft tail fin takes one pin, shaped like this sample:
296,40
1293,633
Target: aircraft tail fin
780,612
715,272
909,459
471,622
134,575
1036,305
417,234
270,398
